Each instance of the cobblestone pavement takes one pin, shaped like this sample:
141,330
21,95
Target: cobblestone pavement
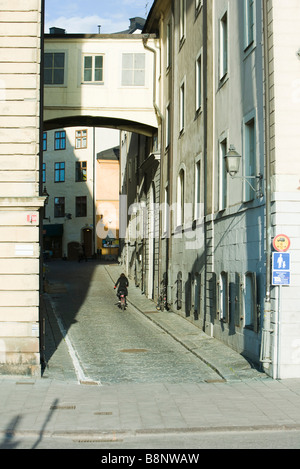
112,346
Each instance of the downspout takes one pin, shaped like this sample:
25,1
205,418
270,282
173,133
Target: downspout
266,331
205,100
42,211
94,193
155,105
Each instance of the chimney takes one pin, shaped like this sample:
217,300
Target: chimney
57,31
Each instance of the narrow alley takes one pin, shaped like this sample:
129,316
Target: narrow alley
109,346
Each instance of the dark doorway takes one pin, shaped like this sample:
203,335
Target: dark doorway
88,241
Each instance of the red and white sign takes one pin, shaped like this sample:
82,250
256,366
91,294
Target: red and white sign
32,218
281,243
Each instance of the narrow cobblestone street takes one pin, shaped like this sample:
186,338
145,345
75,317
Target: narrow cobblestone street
112,346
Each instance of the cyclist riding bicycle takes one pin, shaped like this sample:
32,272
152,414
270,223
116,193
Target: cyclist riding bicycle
122,284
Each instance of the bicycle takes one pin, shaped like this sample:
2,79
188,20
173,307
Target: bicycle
162,299
122,300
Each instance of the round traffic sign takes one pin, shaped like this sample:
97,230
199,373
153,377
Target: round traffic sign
281,243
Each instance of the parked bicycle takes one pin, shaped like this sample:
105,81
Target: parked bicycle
162,303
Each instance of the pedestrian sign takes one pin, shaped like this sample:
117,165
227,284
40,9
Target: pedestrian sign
281,273
281,260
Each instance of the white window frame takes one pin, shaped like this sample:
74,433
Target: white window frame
182,20
133,70
249,23
198,188
223,45
250,301
250,163
168,126
93,69
169,45
182,93
223,176
180,196
166,212
224,297
199,82
198,5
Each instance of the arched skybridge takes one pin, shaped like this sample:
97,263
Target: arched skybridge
100,80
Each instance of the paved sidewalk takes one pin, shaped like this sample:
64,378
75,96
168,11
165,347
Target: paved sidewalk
58,408
243,398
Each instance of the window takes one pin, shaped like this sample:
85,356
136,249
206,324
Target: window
93,68
180,198
81,139
168,126
250,301
44,173
169,45
179,291
81,171
222,175
182,106
44,141
59,207
81,206
198,83
197,209
59,172
166,213
223,46
133,70
250,158
224,297
54,68
60,140
182,20
249,22
198,4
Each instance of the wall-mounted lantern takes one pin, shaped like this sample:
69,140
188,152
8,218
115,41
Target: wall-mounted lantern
233,160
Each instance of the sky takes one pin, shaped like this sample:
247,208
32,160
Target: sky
84,16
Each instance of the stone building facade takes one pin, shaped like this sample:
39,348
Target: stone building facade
21,201
227,76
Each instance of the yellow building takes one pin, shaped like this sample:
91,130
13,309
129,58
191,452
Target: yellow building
107,202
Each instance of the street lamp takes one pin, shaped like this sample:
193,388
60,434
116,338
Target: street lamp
46,195
232,160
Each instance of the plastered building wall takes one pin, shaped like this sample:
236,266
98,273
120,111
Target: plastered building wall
285,107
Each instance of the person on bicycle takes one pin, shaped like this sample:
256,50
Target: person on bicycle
122,284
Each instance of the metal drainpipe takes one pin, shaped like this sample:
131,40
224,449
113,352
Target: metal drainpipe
156,108
266,332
